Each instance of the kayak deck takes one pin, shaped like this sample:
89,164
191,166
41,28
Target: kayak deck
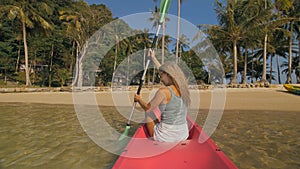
144,152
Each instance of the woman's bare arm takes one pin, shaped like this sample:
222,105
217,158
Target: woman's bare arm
143,104
154,103
154,59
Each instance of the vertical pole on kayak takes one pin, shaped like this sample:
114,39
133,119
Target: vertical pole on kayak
164,7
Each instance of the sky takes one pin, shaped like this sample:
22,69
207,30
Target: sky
195,11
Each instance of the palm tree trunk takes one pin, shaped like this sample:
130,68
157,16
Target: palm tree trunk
28,83
72,57
144,60
80,66
77,73
5,75
115,59
278,70
75,78
18,60
252,68
298,68
180,52
79,78
127,72
178,30
80,74
153,76
271,68
50,66
148,75
233,80
264,75
245,67
289,75
34,67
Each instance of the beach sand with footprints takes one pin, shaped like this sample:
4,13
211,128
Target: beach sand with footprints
273,98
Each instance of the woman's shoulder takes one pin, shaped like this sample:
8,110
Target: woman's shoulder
164,90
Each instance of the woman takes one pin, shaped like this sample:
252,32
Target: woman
173,100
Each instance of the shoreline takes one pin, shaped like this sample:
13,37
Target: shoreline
274,98
23,89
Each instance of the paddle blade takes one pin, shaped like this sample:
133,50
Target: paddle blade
164,7
125,133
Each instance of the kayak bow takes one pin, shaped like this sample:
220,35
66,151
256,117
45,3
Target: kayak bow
292,88
144,152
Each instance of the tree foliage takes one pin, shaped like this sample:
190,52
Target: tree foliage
41,41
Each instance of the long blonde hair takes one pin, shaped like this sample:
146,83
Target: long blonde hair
178,79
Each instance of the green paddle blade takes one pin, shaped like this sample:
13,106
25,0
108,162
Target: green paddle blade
125,133
164,7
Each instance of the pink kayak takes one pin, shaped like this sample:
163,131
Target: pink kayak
195,153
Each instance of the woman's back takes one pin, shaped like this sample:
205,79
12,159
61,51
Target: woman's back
174,112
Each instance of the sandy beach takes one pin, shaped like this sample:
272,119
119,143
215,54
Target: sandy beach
275,98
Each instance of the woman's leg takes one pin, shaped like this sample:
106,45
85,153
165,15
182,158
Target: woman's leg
151,121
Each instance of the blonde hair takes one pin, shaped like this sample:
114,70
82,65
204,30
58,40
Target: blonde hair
178,79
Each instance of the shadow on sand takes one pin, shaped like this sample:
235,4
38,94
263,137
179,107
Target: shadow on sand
285,91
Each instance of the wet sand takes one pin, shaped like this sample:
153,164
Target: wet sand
276,98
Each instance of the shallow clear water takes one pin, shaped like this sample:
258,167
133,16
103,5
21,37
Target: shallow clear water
50,136
46,136
260,139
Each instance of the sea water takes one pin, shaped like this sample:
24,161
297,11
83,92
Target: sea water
50,136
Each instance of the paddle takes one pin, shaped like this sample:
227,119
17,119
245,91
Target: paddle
164,7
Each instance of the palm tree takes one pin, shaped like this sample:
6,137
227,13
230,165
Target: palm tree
294,14
273,25
73,22
280,6
290,10
227,31
289,74
244,78
238,20
264,75
144,40
285,65
178,27
297,30
78,30
276,48
182,44
28,13
248,42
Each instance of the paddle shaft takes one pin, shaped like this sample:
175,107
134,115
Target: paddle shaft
144,74
164,6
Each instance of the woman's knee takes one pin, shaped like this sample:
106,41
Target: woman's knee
150,127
